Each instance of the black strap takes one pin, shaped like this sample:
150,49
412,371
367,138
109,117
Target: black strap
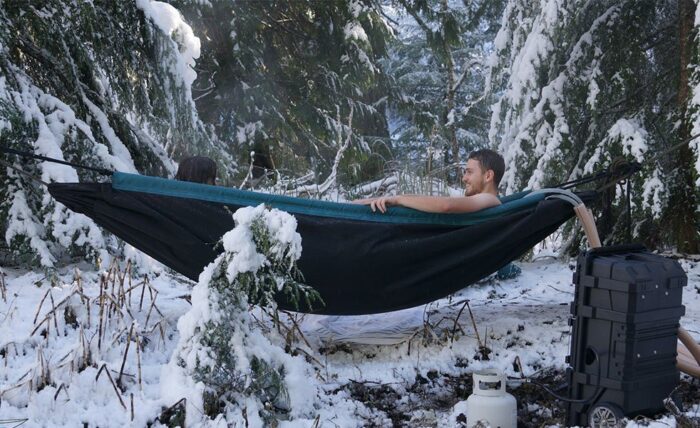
674,147
25,173
619,170
102,171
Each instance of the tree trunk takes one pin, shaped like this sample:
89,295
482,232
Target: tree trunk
683,219
450,104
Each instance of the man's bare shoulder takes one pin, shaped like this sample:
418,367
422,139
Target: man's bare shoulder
485,200
466,204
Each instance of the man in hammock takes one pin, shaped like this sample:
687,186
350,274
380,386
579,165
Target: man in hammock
482,175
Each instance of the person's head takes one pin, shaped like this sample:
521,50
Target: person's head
483,172
198,169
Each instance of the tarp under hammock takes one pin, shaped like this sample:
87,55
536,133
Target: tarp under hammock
360,262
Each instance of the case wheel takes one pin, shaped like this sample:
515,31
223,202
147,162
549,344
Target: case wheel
605,415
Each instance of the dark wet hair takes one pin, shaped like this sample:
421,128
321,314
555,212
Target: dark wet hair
490,160
198,169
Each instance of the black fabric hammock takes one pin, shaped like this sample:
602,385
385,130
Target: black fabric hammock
360,262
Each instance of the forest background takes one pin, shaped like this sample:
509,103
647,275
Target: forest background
337,99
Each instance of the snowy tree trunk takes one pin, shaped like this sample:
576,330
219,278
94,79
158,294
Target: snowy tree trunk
449,116
683,221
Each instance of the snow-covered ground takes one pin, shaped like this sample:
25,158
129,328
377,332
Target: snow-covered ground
406,368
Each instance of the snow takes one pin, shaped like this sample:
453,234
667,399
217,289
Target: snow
653,194
390,349
126,163
4,124
520,120
353,30
629,133
55,122
21,222
246,341
593,88
356,7
170,21
247,131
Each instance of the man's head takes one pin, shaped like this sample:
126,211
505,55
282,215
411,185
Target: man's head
483,172
198,169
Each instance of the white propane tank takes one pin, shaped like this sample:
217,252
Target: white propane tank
490,402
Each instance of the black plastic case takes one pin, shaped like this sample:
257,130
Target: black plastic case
625,317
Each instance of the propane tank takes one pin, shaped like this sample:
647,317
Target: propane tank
490,402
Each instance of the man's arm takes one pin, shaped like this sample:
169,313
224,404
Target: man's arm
434,204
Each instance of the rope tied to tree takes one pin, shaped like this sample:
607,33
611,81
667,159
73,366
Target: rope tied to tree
619,173
28,155
621,169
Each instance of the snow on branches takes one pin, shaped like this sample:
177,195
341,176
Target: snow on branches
223,363
582,88
97,86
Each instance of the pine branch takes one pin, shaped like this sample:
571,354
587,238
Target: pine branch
416,17
343,145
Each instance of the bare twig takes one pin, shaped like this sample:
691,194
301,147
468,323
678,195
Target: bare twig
150,289
101,315
182,401
19,422
459,314
297,328
681,418
126,352
41,303
134,287
53,310
162,333
330,181
85,345
63,388
153,305
116,307
45,374
127,275
47,330
250,170
111,274
143,289
519,366
3,286
116,336
138,359
476,330
78,280
116,390
308,355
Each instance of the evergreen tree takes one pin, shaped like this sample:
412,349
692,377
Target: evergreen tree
97,83
582,84
275,76
438,62
243,374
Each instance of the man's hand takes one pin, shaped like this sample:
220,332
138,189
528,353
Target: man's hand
381,203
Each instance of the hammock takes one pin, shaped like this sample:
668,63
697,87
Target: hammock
359,261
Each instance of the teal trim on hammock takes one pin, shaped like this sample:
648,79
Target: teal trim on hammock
400,215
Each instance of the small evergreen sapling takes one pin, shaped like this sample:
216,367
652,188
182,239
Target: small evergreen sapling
232,369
